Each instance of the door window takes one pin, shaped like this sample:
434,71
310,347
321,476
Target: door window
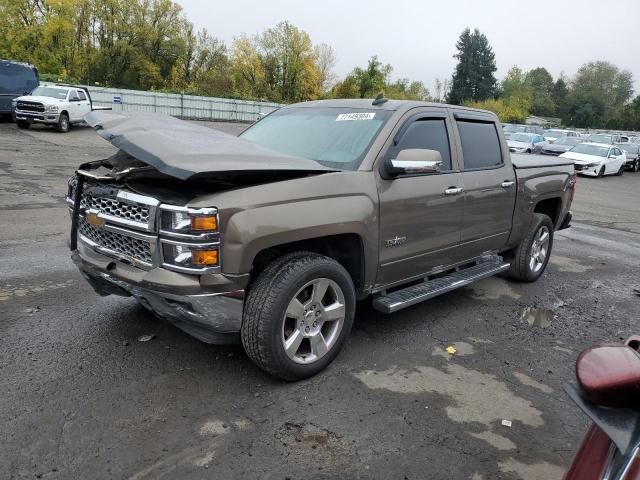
480,144
81,95
426,133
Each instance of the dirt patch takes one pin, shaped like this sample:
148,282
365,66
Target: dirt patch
536,471
302,442
569,265
493,288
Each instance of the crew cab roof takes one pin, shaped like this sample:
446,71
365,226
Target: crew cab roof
393,105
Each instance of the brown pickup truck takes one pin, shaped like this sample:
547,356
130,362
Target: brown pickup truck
271,238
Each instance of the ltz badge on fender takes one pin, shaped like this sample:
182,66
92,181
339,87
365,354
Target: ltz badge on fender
395,242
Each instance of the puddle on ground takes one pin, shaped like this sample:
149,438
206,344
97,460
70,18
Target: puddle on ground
536,317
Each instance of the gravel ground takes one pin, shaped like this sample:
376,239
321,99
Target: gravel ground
83,398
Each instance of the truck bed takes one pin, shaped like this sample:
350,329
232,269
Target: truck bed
527,160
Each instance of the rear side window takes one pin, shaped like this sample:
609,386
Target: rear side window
426,133
480,145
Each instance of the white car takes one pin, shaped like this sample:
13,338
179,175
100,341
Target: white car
524,142
597,159
57,105
552,134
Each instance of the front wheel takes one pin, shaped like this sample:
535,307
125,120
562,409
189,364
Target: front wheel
636,166
532,255
620,171
601,172
63,123
23,124
298,315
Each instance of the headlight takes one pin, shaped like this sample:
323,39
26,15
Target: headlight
190,238
190,257
51,108
188,222
593,164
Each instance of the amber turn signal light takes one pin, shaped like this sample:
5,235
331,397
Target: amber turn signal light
204,258
204,223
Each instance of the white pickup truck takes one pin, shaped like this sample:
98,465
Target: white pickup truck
58,105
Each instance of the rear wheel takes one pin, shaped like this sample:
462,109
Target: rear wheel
298,315
532,255
63,123
23,124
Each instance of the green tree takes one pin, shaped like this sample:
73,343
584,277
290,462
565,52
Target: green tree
598,94
559,94
540,81
474,77
290,63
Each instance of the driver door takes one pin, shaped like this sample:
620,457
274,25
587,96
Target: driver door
420,214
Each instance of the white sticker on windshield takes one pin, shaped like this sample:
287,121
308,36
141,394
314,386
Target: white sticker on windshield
355,116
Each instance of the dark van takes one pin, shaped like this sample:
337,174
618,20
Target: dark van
16,79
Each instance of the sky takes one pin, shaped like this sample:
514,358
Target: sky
418,37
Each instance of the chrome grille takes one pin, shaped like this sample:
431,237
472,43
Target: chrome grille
110,206
115,208
117,243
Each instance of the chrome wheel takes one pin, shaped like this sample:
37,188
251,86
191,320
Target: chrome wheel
313,321
539,249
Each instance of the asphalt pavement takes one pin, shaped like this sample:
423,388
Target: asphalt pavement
83,398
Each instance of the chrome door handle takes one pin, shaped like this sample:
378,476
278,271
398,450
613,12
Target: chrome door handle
453,191
507,184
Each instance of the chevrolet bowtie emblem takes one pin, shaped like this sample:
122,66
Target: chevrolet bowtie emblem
95,221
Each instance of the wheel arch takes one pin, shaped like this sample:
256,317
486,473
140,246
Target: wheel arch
346,248
550,207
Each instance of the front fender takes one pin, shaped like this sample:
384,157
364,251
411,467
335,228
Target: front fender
252,230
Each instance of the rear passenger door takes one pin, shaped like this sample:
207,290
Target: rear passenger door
420,214
489,184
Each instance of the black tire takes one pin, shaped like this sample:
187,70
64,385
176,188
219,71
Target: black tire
636,166
63,123
263,323
620,172
601,172
521,262
23,124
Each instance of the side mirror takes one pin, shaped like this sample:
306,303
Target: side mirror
609,375
414,161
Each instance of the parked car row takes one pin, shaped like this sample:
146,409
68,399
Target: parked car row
596,156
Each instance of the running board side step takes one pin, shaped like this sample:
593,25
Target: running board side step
399,299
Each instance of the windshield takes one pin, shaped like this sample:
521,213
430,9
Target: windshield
513,128
590,149
17,79
334,137
567,141
520,137
600,138
59,93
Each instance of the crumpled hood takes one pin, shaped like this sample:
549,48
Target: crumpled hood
183,149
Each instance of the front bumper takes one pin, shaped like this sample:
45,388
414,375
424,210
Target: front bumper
210,316
36,117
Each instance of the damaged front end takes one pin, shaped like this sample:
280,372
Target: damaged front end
134,233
